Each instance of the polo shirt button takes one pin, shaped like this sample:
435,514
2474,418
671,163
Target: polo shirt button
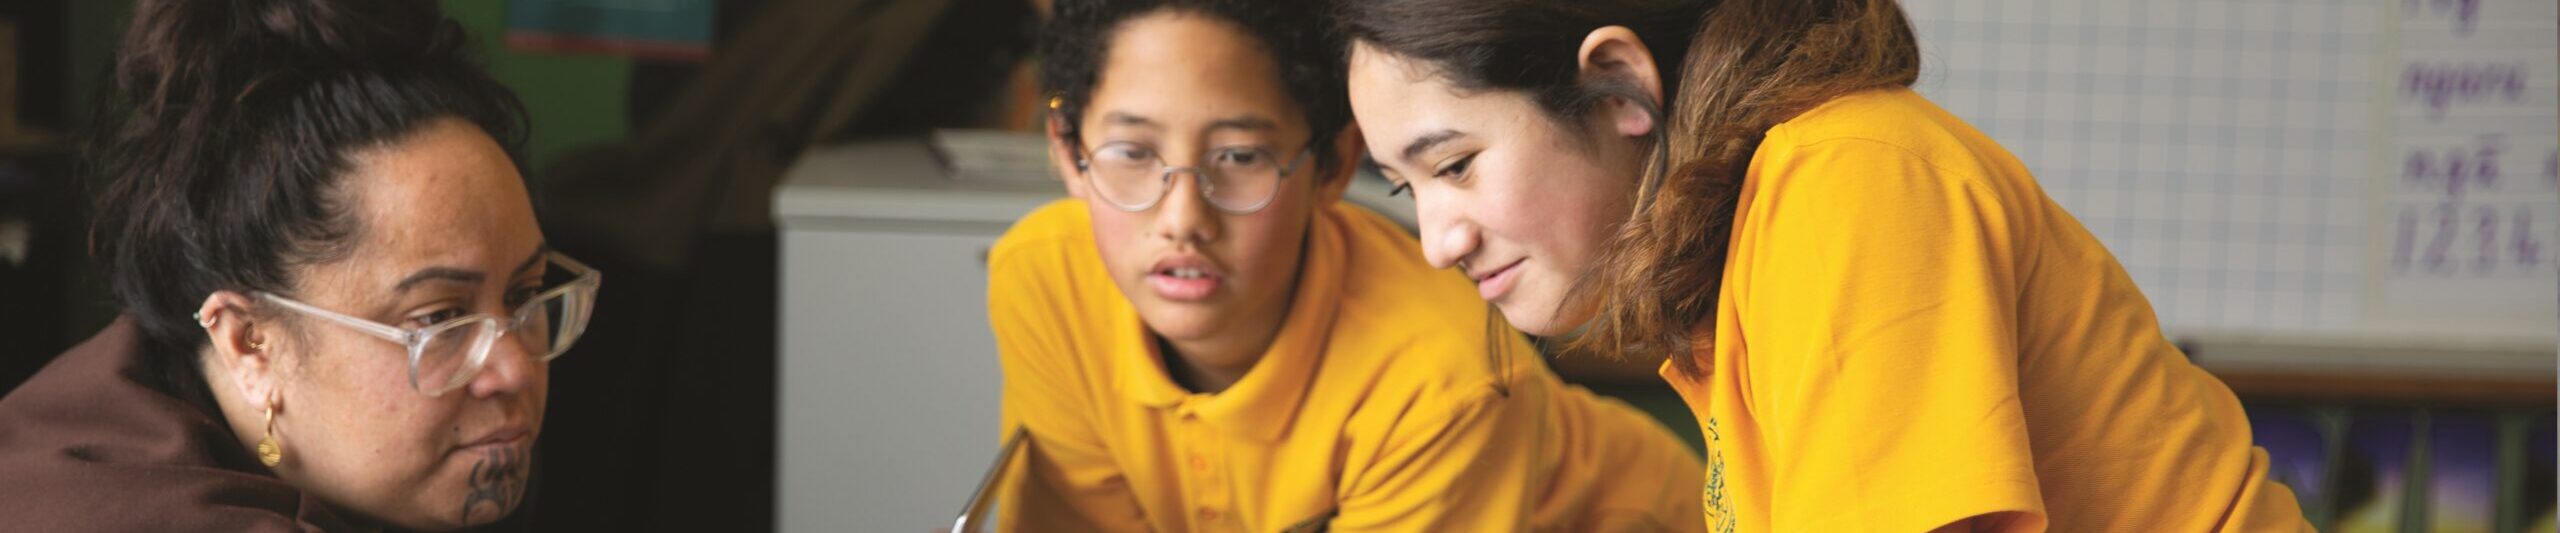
1208,515
1198,463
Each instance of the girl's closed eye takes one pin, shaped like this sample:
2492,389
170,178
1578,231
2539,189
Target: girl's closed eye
1456,170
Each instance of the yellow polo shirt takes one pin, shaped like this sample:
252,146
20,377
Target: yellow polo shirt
1911,333
1377,406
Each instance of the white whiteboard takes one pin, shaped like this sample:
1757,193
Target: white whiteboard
2245,159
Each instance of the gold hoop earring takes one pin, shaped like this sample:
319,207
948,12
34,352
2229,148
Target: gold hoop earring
268,451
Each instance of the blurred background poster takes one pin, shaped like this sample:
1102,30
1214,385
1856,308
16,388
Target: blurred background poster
666,30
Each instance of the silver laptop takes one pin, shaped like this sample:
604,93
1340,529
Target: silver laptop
979,514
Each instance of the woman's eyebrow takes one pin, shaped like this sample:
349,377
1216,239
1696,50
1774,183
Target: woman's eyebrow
534,260
464,275
1414,150
439,273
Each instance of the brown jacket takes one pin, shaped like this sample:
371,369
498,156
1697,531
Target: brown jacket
100,441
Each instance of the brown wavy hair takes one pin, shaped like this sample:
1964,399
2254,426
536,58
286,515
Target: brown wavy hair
1732,69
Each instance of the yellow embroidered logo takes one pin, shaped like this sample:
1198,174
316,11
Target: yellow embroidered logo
1719,510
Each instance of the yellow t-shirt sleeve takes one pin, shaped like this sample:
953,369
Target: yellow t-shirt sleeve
1881,324
1068,481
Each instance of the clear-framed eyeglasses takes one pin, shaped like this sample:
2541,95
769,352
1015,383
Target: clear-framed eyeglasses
445,355
1133,177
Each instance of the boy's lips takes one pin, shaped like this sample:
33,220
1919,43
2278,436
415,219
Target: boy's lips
1185,278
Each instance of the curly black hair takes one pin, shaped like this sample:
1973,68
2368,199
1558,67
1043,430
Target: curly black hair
1296,33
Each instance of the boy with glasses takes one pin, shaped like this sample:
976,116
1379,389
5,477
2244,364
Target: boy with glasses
1206,338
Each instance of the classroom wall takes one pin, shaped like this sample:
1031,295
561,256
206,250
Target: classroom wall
574,100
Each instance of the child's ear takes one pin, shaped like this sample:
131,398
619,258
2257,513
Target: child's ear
1062,153
1614,56
1347,148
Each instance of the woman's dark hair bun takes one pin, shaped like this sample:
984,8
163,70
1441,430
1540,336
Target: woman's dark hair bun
217,154
360,31
181,52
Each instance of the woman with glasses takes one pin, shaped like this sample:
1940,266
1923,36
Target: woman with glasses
339,311
1206,339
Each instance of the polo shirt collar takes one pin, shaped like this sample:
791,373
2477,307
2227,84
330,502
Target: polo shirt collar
1262,404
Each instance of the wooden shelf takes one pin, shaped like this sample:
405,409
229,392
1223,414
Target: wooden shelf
2473,371
2469,391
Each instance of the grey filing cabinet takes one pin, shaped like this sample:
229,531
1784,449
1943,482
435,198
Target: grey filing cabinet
889,381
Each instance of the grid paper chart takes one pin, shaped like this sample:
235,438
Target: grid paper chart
2222,150
2473,208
